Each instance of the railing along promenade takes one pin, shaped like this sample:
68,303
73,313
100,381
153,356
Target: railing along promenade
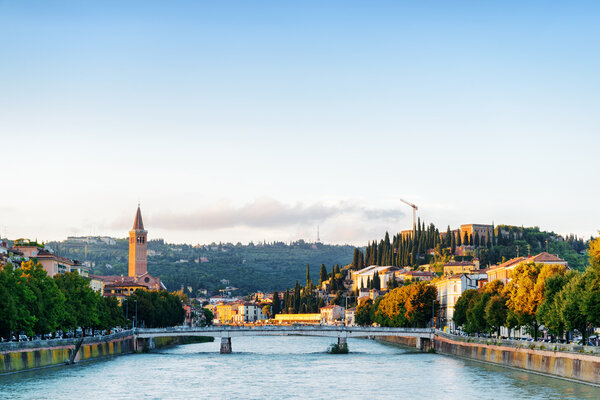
524,344
47,343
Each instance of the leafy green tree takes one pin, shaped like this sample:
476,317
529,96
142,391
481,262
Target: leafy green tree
462,306
15,295
81,301
49,304
363,313
548,312
571,307
496,312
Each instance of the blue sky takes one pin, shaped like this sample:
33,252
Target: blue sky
239,121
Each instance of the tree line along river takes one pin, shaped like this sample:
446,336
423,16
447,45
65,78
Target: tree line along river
287,367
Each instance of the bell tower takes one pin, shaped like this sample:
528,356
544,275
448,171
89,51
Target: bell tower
138,247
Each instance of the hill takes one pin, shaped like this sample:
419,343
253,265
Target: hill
252,267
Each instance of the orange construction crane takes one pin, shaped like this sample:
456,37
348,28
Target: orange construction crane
415,208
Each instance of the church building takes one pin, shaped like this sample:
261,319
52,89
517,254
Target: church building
138,276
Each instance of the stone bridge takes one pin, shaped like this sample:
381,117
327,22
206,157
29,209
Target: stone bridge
424,336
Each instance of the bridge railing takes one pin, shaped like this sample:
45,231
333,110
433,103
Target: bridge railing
283,328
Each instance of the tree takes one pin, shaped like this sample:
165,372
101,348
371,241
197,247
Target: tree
496,312
322,274
275,305
392,309
595,253
81,301
568,301
47,303
461,307
376,283
208,316
308,280
525,291
548,312
363,313
14,296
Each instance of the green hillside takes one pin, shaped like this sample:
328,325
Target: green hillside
264,267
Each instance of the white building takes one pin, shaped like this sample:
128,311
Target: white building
350,317
450,289
332,314
361,278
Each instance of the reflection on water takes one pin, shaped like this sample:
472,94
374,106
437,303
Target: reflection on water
287,367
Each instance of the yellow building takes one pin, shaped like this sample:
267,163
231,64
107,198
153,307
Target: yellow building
460,267
121,290
298,318
225,312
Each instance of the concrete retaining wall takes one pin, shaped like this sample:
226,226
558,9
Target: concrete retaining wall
580,367
404,341
22,356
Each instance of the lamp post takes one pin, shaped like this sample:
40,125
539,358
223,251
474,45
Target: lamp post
433,313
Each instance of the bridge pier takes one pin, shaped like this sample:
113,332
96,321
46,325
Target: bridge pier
424,344
225,345
342,341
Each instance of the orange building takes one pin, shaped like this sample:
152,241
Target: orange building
502,271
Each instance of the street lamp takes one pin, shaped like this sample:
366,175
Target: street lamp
433,313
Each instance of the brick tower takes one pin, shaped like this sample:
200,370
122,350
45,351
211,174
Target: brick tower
138,247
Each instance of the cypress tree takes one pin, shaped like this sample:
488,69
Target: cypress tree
376,281
448,237
458,238
276,304
453,245
322,274
308,280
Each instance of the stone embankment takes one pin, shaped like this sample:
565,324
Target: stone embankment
22,356
580,363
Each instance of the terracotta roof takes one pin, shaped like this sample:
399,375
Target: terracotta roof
511,262
418,273
458,263
138,224
545,257
122,284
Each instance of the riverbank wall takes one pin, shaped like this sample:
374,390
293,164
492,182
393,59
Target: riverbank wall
564,361
577,363
22,356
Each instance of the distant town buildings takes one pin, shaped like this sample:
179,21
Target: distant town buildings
451,287
52,263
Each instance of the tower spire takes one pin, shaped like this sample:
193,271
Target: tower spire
138,224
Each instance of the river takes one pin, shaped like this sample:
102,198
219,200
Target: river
287,367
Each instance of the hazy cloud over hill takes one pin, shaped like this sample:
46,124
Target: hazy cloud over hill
265,213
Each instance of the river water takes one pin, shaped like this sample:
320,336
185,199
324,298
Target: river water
287,367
